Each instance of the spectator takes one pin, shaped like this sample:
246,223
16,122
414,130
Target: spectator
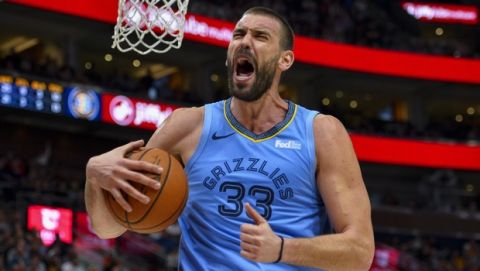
18,257
72,263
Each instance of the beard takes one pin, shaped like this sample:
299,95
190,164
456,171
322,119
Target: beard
263,81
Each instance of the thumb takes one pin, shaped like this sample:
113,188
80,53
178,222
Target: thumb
254,214
132,146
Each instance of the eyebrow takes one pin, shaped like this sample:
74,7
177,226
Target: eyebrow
262,31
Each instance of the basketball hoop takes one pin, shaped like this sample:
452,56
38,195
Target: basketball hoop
146,26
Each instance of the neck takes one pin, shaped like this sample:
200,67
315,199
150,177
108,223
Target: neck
261,115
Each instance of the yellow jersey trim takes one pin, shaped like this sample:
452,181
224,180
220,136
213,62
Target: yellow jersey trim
261,139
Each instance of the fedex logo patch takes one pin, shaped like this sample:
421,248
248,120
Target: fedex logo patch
288,144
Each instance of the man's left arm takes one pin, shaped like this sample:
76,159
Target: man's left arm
340,183
341,187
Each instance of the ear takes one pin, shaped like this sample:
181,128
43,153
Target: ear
286,60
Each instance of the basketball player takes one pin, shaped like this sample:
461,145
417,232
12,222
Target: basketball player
268,178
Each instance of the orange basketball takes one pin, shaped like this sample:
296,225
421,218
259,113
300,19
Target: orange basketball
166,204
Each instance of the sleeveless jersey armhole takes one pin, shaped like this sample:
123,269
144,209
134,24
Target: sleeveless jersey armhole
325,221
310,133
207,120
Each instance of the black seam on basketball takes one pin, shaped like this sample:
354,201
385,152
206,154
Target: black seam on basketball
179,210
146,230
165,179
177,213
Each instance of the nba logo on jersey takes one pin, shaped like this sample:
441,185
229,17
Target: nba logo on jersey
288,144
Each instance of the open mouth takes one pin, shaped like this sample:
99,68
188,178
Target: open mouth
244,69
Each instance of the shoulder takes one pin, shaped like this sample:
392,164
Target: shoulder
332,141
192,111
328,127
186,115
183,123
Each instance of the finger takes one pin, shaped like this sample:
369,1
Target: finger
253,214
249,255
248,238
249,247
132,146
134,193
141,166
249,229
137,177
119,198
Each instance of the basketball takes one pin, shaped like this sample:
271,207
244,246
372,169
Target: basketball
166,204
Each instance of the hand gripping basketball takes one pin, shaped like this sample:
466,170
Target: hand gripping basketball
164,205
111,170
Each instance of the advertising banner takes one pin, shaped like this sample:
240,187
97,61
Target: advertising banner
126,111
442,13
51,222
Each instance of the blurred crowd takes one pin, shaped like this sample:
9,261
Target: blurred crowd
147,86
50,175
444,131
30,181
425,253
47,67
21,249
440,191
371,23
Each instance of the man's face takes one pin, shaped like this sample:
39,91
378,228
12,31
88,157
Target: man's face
253,55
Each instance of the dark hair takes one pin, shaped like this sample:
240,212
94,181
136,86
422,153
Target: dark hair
288,35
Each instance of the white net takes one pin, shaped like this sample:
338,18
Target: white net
146,26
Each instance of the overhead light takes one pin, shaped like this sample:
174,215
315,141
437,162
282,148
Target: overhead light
439,31
108,57
470,111
459,118
88,65
136,63
339,94
11,43
214,77
353,104
326,101
25,45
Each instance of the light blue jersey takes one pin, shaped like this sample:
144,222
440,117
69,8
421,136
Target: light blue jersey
274,172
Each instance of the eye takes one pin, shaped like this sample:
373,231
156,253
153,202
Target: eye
262,37
237,35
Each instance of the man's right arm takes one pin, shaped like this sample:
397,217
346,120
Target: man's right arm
103,223
111,170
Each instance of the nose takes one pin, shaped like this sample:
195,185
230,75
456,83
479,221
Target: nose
246,41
